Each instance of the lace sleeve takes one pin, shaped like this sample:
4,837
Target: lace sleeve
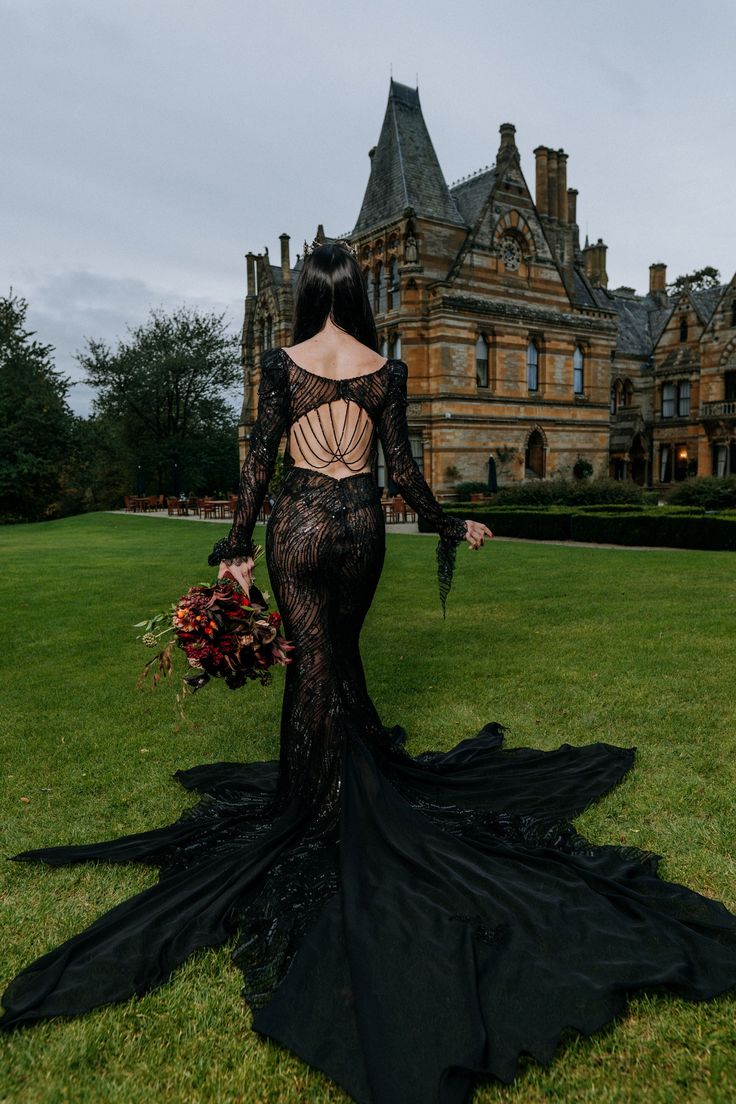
259,462
394,437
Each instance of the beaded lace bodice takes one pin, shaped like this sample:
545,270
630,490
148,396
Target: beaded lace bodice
331,422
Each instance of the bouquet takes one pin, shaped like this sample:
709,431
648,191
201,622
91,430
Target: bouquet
224,633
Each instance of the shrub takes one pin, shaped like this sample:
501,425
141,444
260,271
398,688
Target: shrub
708,491
582,468
464,490
565,492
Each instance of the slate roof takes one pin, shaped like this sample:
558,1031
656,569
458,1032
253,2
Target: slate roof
470,195
640,319
705,302
405,171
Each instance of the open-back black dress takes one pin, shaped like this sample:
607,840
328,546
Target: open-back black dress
402,923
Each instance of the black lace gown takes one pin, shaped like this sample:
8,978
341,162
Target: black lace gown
402,923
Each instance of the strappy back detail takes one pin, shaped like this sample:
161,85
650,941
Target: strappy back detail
333,421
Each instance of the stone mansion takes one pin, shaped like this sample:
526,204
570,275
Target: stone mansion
518,351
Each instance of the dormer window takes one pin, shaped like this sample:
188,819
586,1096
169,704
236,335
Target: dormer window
683,329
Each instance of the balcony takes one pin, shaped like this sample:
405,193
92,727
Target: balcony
718,410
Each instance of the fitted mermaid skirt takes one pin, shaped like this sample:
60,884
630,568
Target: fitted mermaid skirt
403,923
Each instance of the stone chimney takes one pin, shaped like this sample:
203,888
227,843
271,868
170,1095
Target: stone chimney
552,193
562,185
572,205
508,142
251,270
594,259
658,276
285,261
542,196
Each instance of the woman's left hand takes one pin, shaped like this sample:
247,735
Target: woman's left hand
476,532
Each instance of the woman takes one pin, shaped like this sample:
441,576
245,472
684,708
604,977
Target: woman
405,922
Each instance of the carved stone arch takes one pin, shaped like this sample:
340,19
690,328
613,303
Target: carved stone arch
536,448
728,356
514,223
536,428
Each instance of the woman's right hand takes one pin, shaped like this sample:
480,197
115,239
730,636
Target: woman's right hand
476,532
241,571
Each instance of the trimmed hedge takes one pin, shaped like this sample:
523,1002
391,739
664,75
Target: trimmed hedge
668,527
680,530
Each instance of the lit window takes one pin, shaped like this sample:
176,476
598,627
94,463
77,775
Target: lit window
669,393
683,399
532,366
481,362
578,363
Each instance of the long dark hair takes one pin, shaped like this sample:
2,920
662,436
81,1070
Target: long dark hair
331,285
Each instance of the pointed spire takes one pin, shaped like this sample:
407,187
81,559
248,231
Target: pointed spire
405,171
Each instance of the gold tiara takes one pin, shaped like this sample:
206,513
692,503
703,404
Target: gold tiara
309,249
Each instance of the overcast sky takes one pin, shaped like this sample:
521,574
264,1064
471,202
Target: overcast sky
148,144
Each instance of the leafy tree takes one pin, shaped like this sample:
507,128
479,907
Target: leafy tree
165,390
699,280
35,420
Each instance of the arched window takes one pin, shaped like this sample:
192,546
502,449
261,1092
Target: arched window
481,361
393,284
628,392
578,364
614,406
532,366
683,329
377,289
367,280
534,456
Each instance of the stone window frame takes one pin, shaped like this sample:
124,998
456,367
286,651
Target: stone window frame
393,283
482,338
535,339
684,390
582,346
666,410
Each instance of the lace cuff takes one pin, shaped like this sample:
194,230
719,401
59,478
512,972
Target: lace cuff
446,553
230,551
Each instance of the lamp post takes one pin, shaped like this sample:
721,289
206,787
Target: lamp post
139,490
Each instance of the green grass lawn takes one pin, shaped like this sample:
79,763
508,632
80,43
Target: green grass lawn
558,643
